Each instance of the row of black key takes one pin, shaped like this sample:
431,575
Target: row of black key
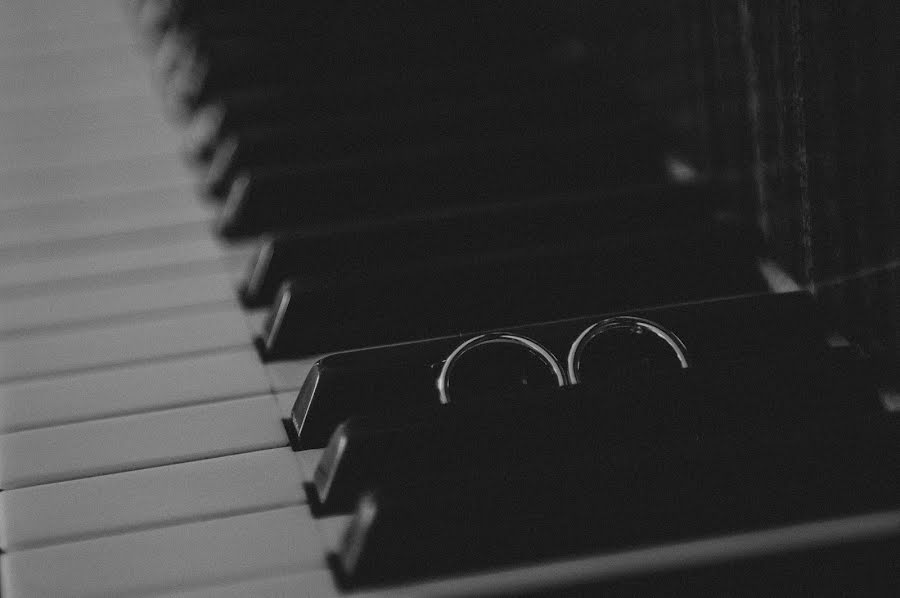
402,210
631,462
767,427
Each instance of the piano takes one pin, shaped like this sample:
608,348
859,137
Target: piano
448,300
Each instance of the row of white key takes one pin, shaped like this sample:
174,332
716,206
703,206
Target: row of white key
155,468
102,216
141,442
71,307
44,184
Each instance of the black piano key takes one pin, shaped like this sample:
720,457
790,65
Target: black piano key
618,504
385,127
281,104
369,42
502,225
419,179
465,293
408,86
384,380
754,404
217,20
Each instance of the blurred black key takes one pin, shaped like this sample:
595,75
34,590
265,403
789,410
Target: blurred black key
449,296
327,47
385,380
387,128
751,404
342,91
419,179
452,87
660,495
223,19
500,226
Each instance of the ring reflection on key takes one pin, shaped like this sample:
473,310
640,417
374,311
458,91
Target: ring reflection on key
624,344
497,364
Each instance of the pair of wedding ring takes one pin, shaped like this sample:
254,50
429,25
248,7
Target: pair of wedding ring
543,367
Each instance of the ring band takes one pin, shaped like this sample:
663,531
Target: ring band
443,380
618,323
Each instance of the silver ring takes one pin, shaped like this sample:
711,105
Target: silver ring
617,323
443,382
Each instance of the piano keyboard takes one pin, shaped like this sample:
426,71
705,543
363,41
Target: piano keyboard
143,450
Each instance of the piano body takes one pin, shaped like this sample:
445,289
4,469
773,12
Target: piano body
419,230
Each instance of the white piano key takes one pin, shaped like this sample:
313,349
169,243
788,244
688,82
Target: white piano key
332,530
58,184
62,233
309,460
121,241
21,44
106,215
288,376
46,94
134,202
85,305
41,248
29,16
132,442
286,402
256,318
309,584
93,145
82,211
74,268
134,500
224,550
77,119
57,79
85,348
124,390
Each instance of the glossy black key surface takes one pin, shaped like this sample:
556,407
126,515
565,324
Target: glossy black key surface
403,377
757,405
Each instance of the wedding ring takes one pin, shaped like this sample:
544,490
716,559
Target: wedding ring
621,324
528,377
